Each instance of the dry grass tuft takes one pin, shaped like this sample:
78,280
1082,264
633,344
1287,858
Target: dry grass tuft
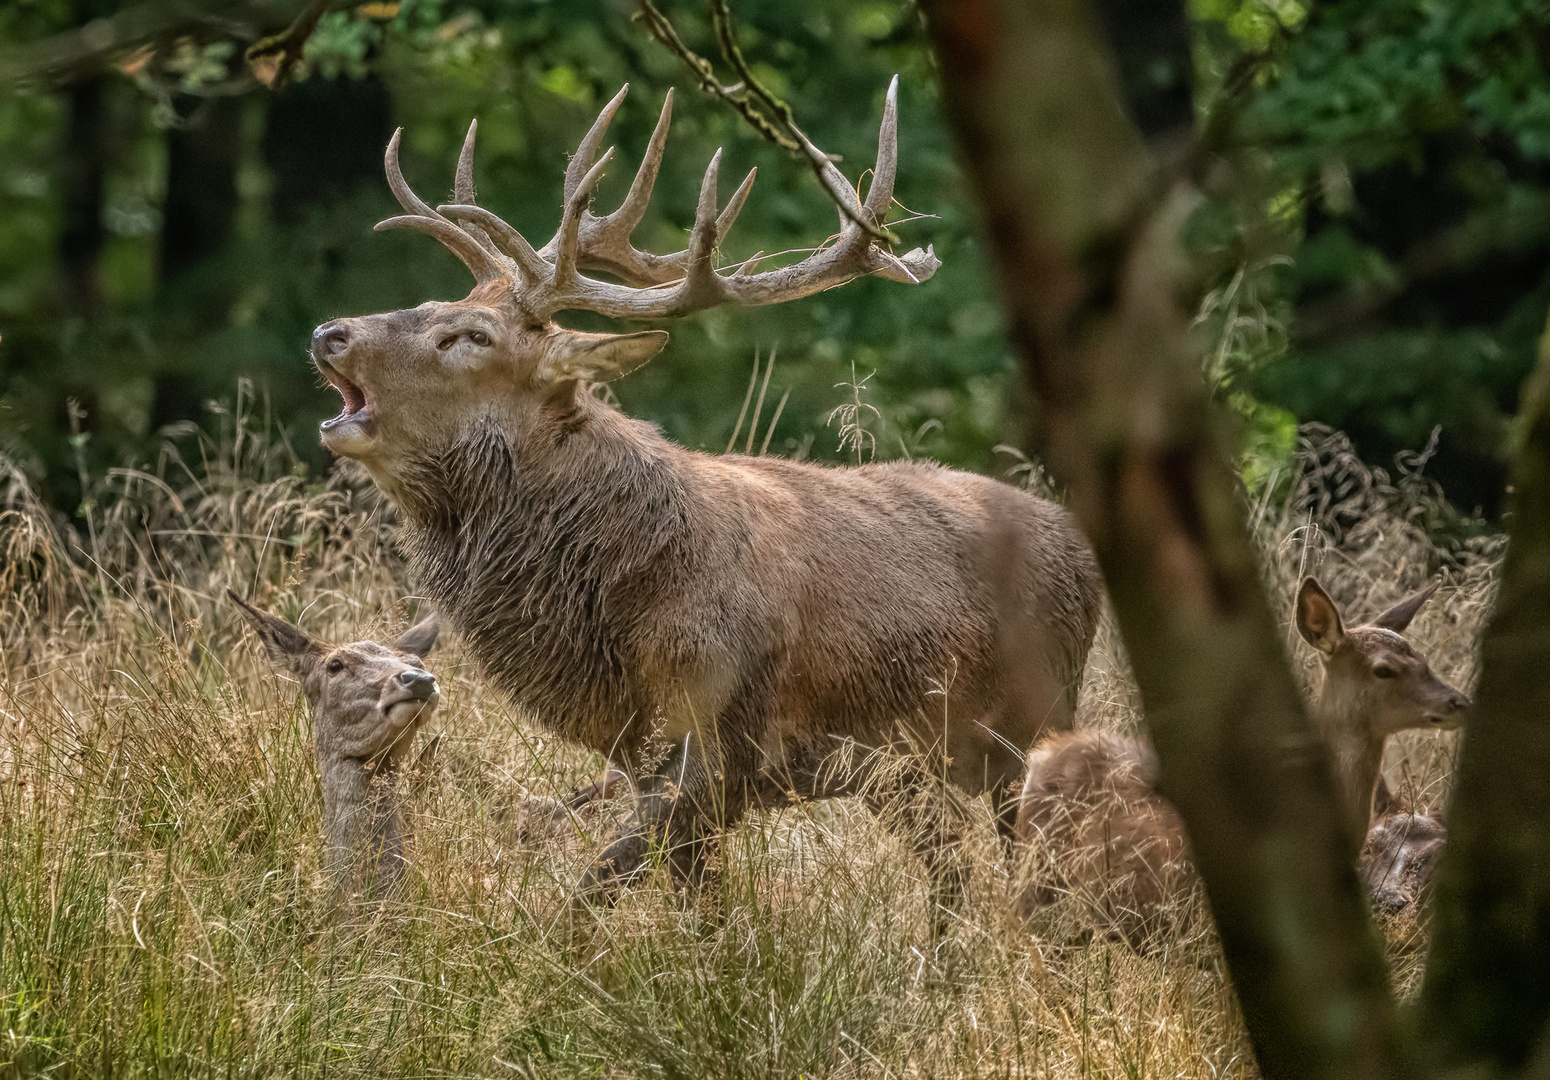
162,908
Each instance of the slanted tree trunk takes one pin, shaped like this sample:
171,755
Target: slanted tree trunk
1082,225
1486,996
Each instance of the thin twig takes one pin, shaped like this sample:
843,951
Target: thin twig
779,128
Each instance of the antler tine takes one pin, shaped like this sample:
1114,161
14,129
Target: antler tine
734,205
701,285
483,265
406,197
880,195
463,185
577,171
568,245
633,208
510,243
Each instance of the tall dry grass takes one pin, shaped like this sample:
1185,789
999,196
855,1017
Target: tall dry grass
163,911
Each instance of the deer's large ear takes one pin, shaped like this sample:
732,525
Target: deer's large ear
577,357
1318,620
1398,617
420,638
289,648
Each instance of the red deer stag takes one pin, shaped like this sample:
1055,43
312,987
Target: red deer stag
718,625
1091,815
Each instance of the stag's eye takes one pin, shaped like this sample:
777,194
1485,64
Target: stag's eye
1383,671
447,342
335,666
479,337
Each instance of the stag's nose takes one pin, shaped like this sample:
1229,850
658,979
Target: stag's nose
419,683
329,340
1459,702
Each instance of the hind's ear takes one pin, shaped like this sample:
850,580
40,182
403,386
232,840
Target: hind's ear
1318,619
289,648
420,638
1398,617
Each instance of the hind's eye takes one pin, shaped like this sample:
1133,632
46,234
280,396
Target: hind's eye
479,337
1383,671
335,666
447,342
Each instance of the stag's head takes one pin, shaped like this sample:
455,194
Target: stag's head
1372,671
414,380
368,699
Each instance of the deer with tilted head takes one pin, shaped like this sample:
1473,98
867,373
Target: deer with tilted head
367,702
1091,814
719,626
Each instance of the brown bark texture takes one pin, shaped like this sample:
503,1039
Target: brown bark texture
1082,224
1486,995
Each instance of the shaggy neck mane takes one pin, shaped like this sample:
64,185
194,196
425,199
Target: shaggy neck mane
519,537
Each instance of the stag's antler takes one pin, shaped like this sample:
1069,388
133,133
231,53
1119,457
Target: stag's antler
549,279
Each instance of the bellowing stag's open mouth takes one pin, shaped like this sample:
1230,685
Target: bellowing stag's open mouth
356,407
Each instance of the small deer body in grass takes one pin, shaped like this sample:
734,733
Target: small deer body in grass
720,626
367,702
1091,814
1400,855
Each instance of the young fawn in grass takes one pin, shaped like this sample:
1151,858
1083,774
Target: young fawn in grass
367,700
1090,809
1399,857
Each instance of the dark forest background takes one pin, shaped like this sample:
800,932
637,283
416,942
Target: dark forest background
171,229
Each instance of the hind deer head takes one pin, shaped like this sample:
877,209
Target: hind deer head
1376,684
367,700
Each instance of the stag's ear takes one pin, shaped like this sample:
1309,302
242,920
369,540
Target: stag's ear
1318,620
577,357
1398,617
289,648
420,638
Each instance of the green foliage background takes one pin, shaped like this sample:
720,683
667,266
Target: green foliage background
1378,263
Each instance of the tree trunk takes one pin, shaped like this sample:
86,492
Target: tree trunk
1486,996
1082,230
201,204
81,235
324,137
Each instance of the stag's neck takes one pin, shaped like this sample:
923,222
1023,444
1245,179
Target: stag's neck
1357,752
595,460
546,545
363,822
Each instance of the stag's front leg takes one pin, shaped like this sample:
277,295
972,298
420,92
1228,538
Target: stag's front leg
684,806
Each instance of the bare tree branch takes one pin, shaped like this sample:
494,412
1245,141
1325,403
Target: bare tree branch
90,49
765,113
